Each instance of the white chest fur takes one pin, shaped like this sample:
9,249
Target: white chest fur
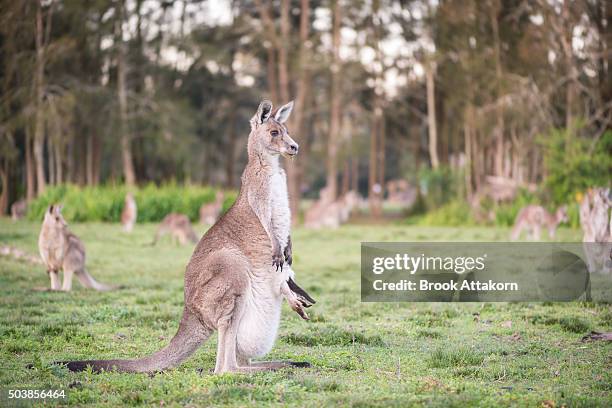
259,324
279,204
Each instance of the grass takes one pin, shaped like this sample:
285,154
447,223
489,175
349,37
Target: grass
362,355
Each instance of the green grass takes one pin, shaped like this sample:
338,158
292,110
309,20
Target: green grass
374,354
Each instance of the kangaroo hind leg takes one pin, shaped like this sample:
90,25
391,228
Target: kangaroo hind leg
67,285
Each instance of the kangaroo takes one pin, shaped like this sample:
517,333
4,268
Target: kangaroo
129,213
597,229
210,212
178,226
61,249
19,209
534,217
241,268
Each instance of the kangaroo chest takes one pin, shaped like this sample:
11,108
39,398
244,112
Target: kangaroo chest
279,205
52,247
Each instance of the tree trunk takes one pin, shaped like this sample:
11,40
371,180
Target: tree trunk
467,134
355,173
4,182
271,74
295,168
89,160
30,168
126,150
51,162
283,45
39,135
431,115
336,114
230,159
376,175
346,178
381,153
59,171
499,113
566,44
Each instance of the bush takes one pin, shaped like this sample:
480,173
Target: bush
105,203
439,186
574,163
453,214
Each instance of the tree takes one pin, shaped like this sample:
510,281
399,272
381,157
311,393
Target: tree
126,149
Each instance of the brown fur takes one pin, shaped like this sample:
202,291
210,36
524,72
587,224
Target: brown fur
19,209
209,213
230,269
60,249
596,225
129,213
534,217
178,226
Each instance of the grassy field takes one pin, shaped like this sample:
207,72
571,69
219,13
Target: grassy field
384,354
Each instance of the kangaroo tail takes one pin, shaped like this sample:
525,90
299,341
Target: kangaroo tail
89,282
190,335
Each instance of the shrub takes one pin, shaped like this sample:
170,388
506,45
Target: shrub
105,203
439,186
575,163
454,213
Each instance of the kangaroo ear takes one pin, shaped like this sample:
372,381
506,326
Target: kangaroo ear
58,208
50,210
263,112
282,114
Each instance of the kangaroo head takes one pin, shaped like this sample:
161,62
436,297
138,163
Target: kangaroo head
562,214
54,217
269,135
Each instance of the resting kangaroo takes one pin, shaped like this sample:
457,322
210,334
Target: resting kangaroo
241,268
61,249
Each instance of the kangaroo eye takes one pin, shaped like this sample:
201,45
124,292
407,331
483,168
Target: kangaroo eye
274,133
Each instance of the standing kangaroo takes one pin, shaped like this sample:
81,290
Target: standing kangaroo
61,249
597,227
241,268
129,213
534,217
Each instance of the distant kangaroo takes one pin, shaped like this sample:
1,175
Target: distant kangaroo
533,217
240,270
596,224
61,249
209,212
178,226
129,213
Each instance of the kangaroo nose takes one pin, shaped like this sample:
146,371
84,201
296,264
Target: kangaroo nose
293,148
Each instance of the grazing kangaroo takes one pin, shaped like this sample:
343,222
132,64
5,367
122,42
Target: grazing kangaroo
241,268
61,249
178,226
533,217
129,213
209,213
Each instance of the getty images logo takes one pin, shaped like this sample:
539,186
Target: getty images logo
422,263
